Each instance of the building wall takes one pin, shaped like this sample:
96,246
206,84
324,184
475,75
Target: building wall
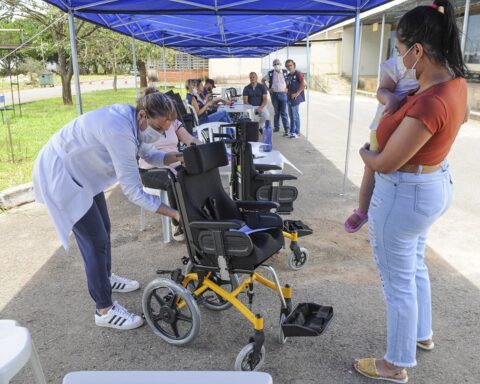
233,70
369,49
326,56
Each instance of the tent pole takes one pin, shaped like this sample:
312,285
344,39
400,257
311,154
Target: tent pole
308,82
73,44
164,68
135,73
380,55
466,14
288,52
356,57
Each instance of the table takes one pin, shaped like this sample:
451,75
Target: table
239,108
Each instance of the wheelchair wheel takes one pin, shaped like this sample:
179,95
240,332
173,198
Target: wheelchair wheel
212,301
298,262
245,362
281,338
171,311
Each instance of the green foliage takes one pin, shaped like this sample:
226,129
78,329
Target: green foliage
40,120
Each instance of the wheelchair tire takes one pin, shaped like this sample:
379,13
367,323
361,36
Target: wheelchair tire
217,304
177,326
243,360
299,262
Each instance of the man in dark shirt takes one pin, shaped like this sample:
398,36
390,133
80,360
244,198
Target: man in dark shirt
256,94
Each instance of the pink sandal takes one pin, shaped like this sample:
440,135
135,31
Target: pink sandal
355,221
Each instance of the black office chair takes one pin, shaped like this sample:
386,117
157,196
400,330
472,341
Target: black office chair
224,238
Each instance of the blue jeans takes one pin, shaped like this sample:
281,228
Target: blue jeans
402,209
293,111
92,232
279,102
221,116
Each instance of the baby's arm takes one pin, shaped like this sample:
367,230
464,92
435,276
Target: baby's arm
385,93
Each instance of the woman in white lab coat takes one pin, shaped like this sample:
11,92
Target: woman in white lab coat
79,162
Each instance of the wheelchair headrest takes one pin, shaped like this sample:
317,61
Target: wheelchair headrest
202,158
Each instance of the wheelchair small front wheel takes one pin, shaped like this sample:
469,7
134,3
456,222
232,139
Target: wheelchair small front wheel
297,262
245,360
212,301
171,311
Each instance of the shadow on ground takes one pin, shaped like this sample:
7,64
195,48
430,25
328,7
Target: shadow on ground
55,305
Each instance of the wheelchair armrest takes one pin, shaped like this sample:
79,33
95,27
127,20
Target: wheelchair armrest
267,167
224,225
256,205
272,177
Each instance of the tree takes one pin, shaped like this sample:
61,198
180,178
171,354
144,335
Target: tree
44,15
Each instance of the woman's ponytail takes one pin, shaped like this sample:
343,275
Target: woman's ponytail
434,26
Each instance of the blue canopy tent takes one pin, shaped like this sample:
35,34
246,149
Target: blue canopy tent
221,28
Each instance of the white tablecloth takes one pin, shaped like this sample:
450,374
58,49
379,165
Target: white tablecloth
239,108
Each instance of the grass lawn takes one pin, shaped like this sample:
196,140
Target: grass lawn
40,120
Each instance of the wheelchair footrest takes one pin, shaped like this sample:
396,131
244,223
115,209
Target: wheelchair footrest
307,319
298,226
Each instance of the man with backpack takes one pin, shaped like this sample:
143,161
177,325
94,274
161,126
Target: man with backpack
277,86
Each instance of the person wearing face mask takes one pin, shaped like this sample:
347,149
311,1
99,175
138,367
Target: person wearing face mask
395,84
277,85
208,89
83,159
201,107
413,185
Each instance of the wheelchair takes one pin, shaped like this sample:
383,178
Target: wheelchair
225,239
250,181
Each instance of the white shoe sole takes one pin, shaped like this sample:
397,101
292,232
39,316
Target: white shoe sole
122,328
126,289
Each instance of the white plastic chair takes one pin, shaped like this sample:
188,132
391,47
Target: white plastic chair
163,197
212,128
191,110
16,350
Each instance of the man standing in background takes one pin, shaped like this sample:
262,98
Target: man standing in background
295,94
277,85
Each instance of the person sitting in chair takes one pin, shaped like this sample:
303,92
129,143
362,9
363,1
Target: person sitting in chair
201,107
157,178
256,94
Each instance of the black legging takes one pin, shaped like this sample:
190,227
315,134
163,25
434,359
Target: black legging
157,178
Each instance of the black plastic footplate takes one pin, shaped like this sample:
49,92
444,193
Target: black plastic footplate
298,226
307,319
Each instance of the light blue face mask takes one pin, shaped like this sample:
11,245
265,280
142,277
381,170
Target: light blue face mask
406,73
149,135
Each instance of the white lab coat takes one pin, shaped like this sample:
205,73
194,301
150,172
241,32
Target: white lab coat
87,156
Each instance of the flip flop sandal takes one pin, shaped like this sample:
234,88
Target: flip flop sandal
425,347
367,368
356,221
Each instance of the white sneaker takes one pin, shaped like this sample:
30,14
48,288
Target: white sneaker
121,284
118,317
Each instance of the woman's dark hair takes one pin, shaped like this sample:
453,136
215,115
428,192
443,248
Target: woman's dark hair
434,27
156,103
191,82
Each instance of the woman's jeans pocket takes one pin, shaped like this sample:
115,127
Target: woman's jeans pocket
431,198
